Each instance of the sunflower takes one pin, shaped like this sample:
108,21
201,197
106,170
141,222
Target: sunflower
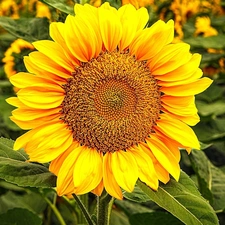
107,101
13,56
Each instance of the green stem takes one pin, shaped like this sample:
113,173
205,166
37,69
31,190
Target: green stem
104,208
56,211
84,210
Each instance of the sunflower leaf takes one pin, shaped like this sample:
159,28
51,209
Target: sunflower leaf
210,178
155,218
14,168
183,200
29,29
63,5
19,216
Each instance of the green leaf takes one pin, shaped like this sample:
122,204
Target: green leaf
29,29
154,218
215,108
183,200
216,42
6,151
19,216
137,195
210,178
14,170
62,5
118,218
130,207
5,113
28,200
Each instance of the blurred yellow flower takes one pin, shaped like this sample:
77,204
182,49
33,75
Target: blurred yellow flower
203,26
138,3
13,57
9,8
112,107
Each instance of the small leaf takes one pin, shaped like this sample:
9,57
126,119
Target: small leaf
28,200
129,207
154,218
62,5
216,42
182,200
6,151
211,180
19,216
14,170
137,195
215,108
29,29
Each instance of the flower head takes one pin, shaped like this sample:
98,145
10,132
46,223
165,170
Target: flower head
13,57
107,101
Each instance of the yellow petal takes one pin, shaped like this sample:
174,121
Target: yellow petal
55,52
40,98
45,63
14,101
188,89
45,142
194,76
162,173
57,162
109,180
23,80
65,183
88,43
176,105
170,58
148,42
164,156
40,72
110,27
99,189
25,114
177,130
87,172
125,169
183,72
31,124
56,31
142,18
147,172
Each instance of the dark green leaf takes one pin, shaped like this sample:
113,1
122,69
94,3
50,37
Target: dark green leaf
5,113
27,200
20,217
118,218
214,108
183,200
137,195
29,29
216,42
130,207
211,180
14,170
6,146
61,5
154,218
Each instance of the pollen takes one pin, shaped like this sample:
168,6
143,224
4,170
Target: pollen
111,102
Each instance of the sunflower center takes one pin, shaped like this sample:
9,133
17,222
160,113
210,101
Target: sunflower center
111,103
114,99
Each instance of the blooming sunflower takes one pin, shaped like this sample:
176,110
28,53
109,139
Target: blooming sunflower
107,101
14,56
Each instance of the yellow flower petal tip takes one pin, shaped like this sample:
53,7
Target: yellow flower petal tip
111,108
